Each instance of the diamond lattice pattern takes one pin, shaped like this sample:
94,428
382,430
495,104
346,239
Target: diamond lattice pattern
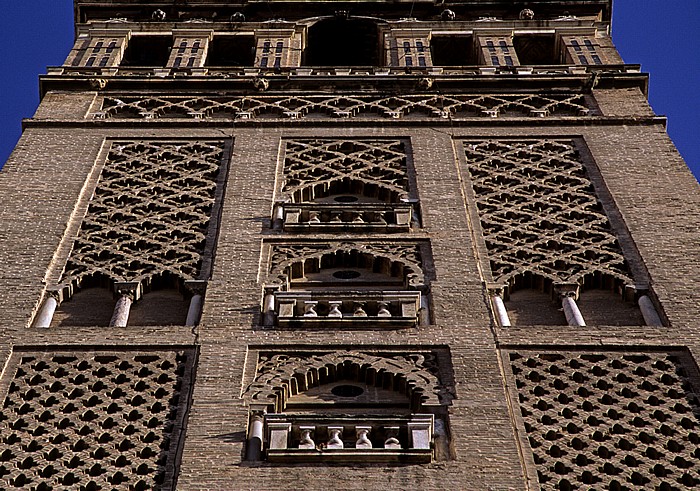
150,212
380,163
539,212
347,106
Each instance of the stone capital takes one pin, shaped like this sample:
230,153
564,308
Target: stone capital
131,289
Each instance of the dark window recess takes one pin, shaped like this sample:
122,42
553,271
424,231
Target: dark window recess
340,42
231,51
536,50
452,51
148,51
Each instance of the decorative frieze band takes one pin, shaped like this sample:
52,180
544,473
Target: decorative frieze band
394,107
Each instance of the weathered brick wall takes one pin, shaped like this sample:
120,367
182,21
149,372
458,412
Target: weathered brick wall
640,177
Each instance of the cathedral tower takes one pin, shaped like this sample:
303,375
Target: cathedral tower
348,245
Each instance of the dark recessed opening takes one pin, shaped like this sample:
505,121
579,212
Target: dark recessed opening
345,199
343,42
535,50
231,51
148,51
452,51
347,391
347,274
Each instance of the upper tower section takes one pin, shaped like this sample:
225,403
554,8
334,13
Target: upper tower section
383,43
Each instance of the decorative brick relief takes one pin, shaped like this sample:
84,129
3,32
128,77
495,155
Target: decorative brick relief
93,419
279,376
610,420
313,166
539,212
285,258
150,212
445,106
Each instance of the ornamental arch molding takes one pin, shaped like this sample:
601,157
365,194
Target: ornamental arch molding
540,216
152,216
281,376
291,260
321,167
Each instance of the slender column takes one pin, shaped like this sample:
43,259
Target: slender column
499,308
128,293
197,288
651,317
269,306
278,214
255,436
424,312
567,293
45,315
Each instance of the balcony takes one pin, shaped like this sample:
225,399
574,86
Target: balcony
348,217
389,309
347,439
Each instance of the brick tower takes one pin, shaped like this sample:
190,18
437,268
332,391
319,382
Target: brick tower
348,245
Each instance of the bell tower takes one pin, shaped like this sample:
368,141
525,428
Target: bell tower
348,245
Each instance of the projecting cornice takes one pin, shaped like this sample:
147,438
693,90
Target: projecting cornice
203,10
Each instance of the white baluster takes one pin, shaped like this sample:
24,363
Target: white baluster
363,440
310,308
335,308
359,311
306,442
335,440
383,309
392,442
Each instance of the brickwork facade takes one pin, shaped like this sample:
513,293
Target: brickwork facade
447,274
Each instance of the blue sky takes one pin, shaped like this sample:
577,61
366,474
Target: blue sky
661,35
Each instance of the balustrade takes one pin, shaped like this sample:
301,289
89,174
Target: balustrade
349,439
333,309
378,217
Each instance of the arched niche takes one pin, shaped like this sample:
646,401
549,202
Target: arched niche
532,301
92,305
284,377
164,301
348,191
349,269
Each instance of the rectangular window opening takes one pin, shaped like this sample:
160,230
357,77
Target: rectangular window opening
453,51
232,51
148,51
536,50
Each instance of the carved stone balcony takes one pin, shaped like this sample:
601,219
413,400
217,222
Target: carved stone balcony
390,309
349,439
350,217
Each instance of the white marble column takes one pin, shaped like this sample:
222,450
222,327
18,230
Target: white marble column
499,308
255,436
568,292
128,293
45,315
651,317
197,288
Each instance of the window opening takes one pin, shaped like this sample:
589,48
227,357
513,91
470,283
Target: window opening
535,50
343,42
231,51
148,51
